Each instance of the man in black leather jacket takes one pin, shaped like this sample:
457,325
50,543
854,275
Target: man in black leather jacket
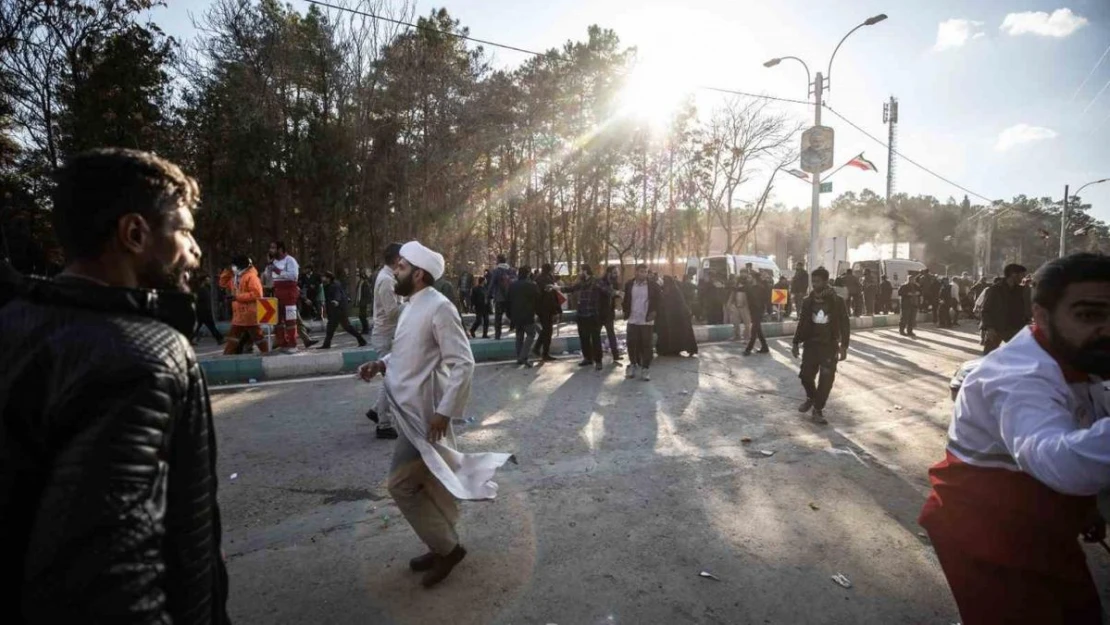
108,507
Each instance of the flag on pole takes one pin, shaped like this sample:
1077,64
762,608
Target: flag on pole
862,163
797,173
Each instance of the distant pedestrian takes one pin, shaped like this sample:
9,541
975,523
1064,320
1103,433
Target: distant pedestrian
480,305
758,297
244,318
387,313
909,296
548,311
738,308
640,305
606,308
523,302
690,294
799,286
338,306
870,292
364,299
1005,308
589,290
886,295
204,311
466,286
285,271
501,278
824,330
855,292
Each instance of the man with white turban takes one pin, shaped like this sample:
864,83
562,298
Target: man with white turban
427,383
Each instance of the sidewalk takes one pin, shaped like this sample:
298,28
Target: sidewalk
221,369
319,325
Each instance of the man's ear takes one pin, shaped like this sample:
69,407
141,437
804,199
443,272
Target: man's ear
1040,315
133,233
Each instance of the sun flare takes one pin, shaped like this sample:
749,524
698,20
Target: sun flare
653,92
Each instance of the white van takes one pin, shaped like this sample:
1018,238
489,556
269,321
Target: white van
899,270
728,265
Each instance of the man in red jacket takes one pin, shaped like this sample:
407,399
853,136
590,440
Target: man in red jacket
1028,449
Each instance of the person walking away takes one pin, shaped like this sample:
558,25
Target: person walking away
363,299
886,295
447,287
466,286
640,306
870,291
739,309
244,315
855,292
338,303
108,483
799,286
387,312
427,381
823,331
480,305
1028,450
309,284
589,290
689,294
204,311
606,308
758,297
1004,309
549,309
523,302
909,295
285,271
944,305
674,324
501,278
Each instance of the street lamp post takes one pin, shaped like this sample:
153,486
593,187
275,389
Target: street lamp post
819,85
1064,214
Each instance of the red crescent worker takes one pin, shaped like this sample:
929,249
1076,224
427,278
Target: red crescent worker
1028,450
285,271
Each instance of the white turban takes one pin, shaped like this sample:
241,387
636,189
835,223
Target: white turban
424,258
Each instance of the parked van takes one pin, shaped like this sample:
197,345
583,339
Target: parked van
728,265
899,270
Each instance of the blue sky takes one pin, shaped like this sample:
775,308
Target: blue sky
989,90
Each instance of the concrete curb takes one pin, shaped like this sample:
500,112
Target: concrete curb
244,369
319,325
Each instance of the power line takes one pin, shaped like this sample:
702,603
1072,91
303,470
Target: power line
906,158
523,50
1089,74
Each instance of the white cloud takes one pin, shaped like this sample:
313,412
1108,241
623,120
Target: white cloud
954,33
1022,133
1061,23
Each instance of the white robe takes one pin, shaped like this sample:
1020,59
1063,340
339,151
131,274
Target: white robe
429,372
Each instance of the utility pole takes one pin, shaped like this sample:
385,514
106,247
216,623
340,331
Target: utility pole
890,118
1064,223
815,215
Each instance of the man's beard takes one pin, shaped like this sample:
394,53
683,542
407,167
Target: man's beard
1092,357
160,277
405,286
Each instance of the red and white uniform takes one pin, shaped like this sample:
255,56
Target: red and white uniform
1028,449
285,272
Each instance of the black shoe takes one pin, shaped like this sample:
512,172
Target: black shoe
361,342
747,352
321,347
598,366
423,563
387,432
472,335
618,358
442,566
819,417
549,358
764,351
806,405
309,343
585,363
372,415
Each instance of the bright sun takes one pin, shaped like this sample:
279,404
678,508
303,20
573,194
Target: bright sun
653,92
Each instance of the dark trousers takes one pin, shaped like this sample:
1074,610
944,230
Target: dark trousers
210,323
481,318
883,303
339,318
498,316
990,345
612,334
756,332
547,330
795,302
363,321
589,334
869,302
818,365
856,300
525,335
640,345
909,319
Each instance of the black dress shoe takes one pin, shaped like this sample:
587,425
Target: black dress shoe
361,342
549,358
388,433
309,343
442,566
423,563
585,363
372,415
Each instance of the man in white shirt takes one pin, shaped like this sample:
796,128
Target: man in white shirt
387,311
284,270
1028,451
427,382
640,305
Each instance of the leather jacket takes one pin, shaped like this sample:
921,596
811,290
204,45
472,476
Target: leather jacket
108,508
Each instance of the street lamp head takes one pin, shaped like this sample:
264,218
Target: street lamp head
871,21
772,63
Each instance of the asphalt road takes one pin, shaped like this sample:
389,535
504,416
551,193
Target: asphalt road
625,492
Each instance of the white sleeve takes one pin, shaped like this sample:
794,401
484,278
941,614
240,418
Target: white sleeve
292,269
387,296
1039,430
454,349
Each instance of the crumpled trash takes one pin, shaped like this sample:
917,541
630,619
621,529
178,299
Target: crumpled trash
233,476
842,580
767,452
708,575
746,440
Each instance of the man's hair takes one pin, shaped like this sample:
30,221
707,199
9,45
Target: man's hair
392,253
428,279
96,188
525,272
279,246
1054,277
820,272
847,272
883,277
329,275
481,280
1013,269
588,269
547,268
501,259
241,261
641,266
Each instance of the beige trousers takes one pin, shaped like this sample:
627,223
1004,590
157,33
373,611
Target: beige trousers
427,505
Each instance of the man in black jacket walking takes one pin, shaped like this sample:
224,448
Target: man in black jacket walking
799,285
824,330
338,305
548,310
1005,309
108,483
524,298
759,296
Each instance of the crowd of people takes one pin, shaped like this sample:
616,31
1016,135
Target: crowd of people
109,485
